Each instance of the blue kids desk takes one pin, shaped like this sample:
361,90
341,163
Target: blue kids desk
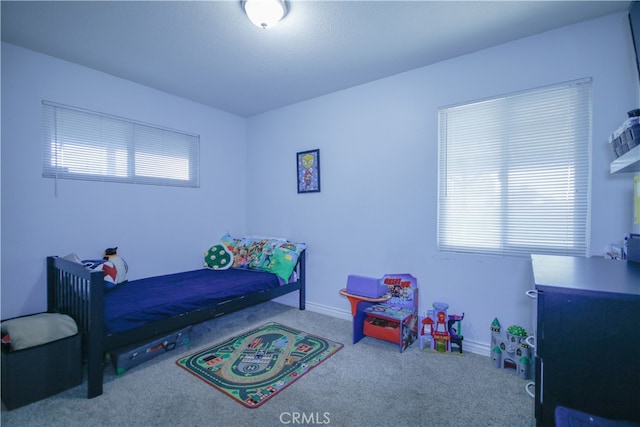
392,317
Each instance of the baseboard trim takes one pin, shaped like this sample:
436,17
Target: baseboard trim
471,346
481,348
316,308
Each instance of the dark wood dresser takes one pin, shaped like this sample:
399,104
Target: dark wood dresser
587,337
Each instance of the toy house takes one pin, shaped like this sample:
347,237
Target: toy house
510,350
442,331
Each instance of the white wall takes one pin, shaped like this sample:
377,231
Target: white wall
158,230
377,213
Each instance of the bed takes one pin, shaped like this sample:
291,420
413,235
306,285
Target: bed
108,320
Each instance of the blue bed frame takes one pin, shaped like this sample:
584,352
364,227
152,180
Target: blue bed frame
77,291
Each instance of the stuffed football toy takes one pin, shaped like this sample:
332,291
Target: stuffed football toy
108,268
115,268
121,266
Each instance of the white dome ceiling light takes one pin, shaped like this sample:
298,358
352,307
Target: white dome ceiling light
265,13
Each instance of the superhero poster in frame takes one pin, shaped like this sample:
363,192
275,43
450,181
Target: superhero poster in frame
308,164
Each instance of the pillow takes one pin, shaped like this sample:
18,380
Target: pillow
29,331
256,252
247,252
73,257
229,242
281,264
274,255
218,257
241,254
237,248
282,259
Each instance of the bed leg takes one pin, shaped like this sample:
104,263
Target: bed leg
95,373
303,278
302,299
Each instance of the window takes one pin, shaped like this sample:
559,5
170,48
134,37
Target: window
514,173
81,144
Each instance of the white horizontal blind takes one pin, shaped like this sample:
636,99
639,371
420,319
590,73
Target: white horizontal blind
82,144
514,173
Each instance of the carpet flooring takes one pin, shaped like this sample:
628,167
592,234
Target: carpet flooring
367,384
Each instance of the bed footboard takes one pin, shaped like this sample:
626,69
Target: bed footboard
78,292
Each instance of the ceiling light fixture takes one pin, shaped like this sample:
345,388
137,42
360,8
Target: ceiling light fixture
265,13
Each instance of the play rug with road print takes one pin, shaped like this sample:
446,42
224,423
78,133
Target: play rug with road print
258,364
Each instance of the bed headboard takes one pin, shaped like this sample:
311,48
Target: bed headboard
77,291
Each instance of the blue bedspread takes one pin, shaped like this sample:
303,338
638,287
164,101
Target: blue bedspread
141,301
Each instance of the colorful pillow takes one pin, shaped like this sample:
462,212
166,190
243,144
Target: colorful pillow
247,252
238,248
218,257
229,242
274,255
282,259
241,256
256,252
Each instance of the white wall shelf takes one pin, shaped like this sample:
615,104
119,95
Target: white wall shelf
628,162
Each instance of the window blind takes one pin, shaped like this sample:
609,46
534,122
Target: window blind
82,144
514,173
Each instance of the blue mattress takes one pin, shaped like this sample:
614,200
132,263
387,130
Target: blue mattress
142,301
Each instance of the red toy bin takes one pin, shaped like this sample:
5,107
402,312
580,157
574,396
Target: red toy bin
383,329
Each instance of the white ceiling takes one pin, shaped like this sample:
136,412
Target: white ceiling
209,52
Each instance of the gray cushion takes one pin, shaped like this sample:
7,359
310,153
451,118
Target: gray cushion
29,331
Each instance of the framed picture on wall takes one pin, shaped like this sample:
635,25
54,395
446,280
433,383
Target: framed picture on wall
308,164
